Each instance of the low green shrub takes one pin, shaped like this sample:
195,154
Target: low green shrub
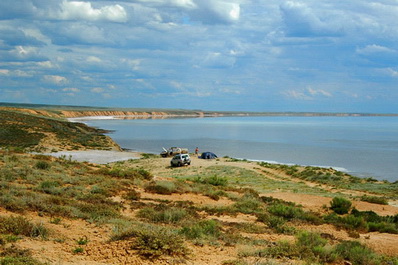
153,244
15,256
82,241
357,253
364,221
276,223
340,205
374,199
78,250
132,195
249,203
127,173
161,187
95,212
148,155
206,229
43,165
291,212
212,180
18,225
163,214
154,241
309,246
49,187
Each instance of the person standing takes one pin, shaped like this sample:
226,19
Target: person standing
196,151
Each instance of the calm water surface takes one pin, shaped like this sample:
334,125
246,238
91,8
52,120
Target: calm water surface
363,146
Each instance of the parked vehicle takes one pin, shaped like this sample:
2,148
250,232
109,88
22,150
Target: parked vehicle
180,160
173,151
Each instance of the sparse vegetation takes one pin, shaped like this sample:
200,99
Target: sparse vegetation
340,205
154,241
163,214
18,225
374,199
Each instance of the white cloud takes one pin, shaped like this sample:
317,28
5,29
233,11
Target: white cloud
369,49
25,53
178,3
134,64
217,60
71,89
76,10
93,59
21,73
215,11
307,94
4,71
55,79
301,20
79,33
391,72
295,94
97,90
184,3
45,64
315,92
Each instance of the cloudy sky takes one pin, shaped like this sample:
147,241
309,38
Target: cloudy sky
253,55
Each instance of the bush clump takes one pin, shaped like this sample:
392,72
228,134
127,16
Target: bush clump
16,256
201,230
132,195
375,199
127,173
153,241
163,214
161,187
249,203
212,180
18,225
159,242
357,253
340,205
43,165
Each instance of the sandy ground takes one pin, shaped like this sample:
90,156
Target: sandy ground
96,156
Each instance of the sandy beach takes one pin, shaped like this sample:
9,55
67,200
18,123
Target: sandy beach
96,156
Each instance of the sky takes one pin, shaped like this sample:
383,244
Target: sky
227,55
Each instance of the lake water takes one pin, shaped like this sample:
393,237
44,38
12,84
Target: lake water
362,146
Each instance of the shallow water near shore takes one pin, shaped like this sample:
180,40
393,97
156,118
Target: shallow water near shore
362,146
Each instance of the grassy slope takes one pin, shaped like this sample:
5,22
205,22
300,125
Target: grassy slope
21,130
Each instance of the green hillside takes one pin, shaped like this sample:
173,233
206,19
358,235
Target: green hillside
25,131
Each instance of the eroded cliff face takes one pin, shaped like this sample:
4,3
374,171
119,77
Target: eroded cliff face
76,114
111,113
34,112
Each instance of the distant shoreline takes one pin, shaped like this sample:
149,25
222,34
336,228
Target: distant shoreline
168,116
66,111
